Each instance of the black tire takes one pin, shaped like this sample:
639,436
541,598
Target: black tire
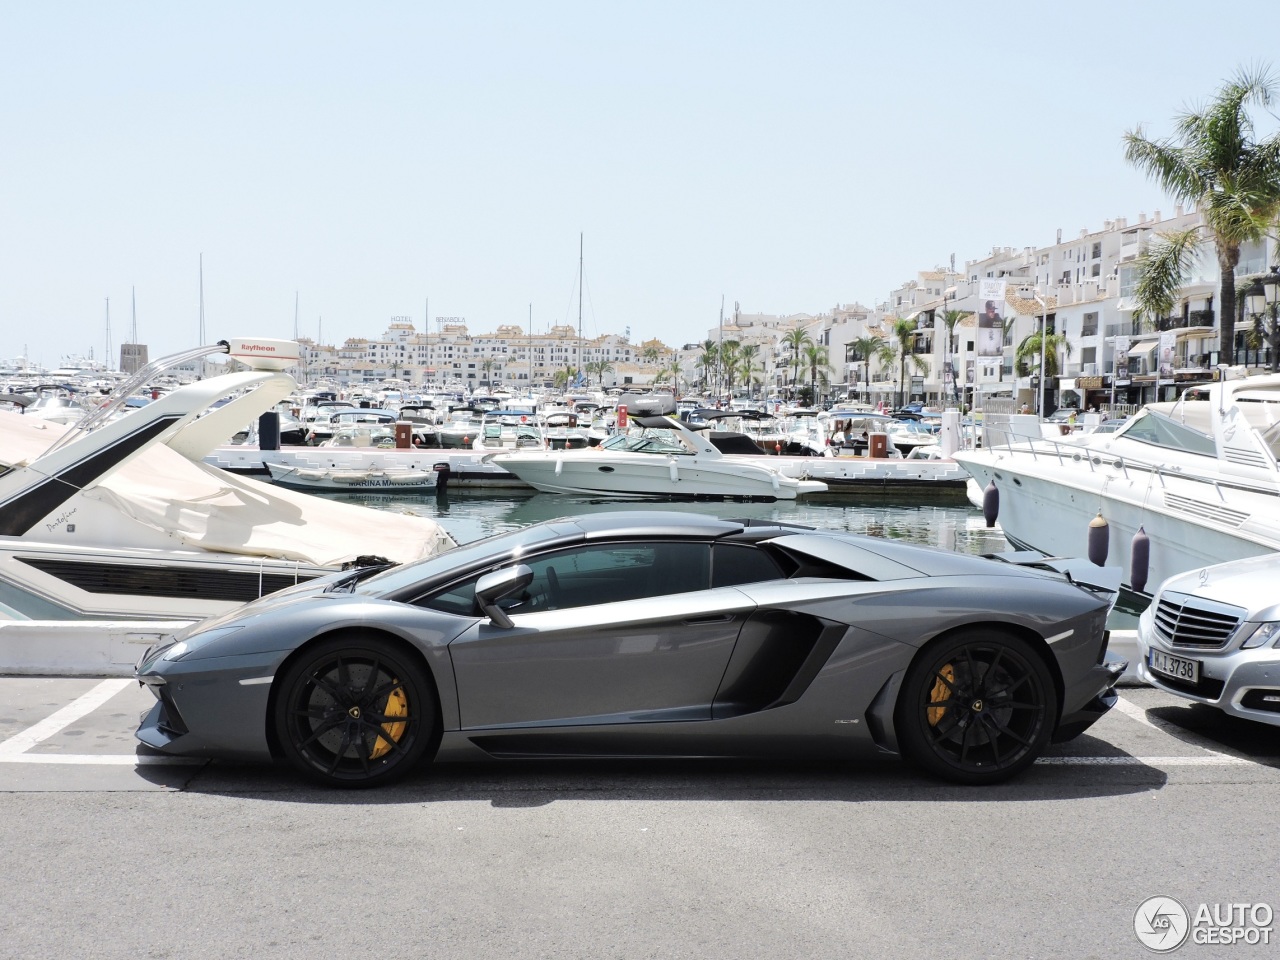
356,711
976,707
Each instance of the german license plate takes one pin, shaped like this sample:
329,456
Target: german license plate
1179,668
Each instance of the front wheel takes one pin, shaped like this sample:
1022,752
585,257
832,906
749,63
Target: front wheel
355,712
976,707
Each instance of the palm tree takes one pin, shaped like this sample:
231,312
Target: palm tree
950,318
560,379
905,332
728,356
487,365
600,368
1029,350
870,348
747,355
707,360
650,354
1215,164
670,372
818,362
795,341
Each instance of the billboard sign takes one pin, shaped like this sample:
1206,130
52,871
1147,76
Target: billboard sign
991,305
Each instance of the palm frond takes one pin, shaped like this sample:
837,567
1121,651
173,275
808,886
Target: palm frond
1163,268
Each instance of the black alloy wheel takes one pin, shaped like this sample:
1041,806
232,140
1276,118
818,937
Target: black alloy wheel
356,712
976,707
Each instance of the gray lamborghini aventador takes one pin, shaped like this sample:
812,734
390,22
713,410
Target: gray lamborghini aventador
645,635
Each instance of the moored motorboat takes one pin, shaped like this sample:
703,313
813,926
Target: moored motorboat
1196,477
118,519
353,479
659,457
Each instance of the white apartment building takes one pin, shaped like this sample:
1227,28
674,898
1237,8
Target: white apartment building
508,359
1081,288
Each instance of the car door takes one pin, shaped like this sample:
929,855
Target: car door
606,633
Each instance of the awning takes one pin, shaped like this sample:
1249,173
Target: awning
1143,349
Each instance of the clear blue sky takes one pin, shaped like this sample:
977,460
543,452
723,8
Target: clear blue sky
789,156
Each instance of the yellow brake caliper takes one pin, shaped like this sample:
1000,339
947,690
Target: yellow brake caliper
940,693
397,706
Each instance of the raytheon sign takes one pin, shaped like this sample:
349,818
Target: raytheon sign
259,354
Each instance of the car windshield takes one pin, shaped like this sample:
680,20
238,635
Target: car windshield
512,542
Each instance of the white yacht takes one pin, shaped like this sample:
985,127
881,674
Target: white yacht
659,457
117,518
1197,475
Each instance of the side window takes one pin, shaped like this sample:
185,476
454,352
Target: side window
600,573
733,563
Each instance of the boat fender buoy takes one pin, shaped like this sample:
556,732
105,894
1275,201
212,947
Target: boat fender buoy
991,504
559,465
1139,560
675,472
1099,540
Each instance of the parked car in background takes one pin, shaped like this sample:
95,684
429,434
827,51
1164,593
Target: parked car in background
1213,636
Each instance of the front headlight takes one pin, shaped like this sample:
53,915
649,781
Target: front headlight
1260,634
196,641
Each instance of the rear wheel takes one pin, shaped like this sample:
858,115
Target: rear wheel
355,712
976,707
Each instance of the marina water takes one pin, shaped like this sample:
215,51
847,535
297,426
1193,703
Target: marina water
948,522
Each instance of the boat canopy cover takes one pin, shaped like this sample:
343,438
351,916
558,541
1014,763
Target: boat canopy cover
202,507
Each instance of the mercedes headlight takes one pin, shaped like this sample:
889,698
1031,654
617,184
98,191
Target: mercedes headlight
1260,634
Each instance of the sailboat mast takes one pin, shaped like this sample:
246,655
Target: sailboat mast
133,326
720,347
107,358
295,314
580,364
201,340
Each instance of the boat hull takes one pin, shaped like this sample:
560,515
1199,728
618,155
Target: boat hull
1047,505
636,476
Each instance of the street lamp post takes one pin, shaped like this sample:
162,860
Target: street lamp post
1034,294
1264,301
1044,328
948,296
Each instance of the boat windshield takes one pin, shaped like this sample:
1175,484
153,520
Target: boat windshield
1263,416
1159,430
651,441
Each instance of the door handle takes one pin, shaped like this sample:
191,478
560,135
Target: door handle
712,618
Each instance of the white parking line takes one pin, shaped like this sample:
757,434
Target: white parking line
14,750
100,759
59,719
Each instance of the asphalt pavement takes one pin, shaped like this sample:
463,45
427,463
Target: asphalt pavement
106,853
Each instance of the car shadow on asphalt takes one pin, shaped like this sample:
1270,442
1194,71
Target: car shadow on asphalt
521,784
1260,742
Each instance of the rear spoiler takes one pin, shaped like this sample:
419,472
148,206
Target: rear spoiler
1078,570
